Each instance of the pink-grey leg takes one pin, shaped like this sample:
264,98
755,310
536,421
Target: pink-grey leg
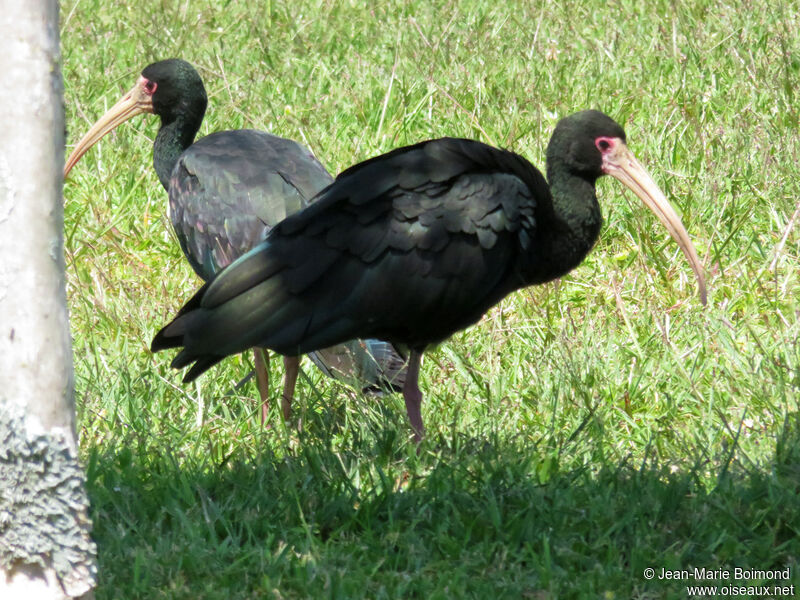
413,396
262,380
292,366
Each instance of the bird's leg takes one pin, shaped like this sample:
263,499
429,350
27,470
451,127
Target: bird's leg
413,396
291,365
262,380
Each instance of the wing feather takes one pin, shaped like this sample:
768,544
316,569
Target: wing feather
407,247
230,188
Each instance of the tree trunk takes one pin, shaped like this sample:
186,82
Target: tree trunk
45,548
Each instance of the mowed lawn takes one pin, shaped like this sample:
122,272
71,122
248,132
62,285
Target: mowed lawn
582,432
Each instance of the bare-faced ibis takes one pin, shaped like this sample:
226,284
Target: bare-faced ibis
226,191
414,245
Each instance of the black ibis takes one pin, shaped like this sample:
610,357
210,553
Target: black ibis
414,245
226,191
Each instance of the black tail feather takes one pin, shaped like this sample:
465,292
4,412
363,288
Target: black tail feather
162,341
201,366
165,340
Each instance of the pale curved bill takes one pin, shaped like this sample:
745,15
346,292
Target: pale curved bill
135,102
622,164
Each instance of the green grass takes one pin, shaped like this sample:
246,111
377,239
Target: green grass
583,431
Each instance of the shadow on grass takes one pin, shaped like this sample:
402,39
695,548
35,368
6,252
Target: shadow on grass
466,518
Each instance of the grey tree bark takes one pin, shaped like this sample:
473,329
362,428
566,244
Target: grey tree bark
45,548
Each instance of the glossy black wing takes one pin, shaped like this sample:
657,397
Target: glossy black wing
408,247
230,188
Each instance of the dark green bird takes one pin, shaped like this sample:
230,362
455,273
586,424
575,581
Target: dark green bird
226,191
414,245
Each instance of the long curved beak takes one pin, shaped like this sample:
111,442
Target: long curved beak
135,102
622,164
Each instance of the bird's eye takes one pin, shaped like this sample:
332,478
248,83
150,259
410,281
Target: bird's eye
150,87
603,144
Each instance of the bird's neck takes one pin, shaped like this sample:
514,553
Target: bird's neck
172,139
570,226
